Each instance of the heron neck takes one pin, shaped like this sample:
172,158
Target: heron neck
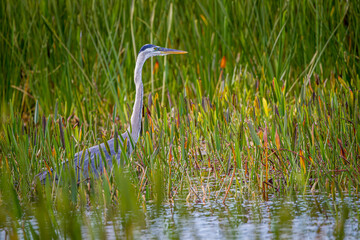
137,109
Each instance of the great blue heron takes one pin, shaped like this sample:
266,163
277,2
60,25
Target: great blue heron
93,160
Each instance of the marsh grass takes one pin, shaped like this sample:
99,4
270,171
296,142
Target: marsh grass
266,102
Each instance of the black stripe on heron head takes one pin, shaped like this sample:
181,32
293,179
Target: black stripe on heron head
143,48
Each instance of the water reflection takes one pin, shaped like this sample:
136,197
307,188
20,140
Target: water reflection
285,218
294,217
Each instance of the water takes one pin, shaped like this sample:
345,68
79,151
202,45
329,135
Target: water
299,218
294,217
306,217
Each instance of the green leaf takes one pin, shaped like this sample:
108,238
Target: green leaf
254,136
36,114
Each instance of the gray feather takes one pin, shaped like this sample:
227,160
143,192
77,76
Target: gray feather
91,160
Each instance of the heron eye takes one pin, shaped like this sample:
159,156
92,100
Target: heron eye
156,49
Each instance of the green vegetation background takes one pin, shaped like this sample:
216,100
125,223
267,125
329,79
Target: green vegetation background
266,100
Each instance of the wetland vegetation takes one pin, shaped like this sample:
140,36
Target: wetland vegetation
254,133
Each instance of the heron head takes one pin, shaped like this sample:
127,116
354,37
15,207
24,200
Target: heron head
151,50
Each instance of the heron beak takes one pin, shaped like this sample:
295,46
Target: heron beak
171,51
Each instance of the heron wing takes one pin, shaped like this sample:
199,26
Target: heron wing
92,160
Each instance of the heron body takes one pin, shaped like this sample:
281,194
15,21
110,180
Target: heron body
92,160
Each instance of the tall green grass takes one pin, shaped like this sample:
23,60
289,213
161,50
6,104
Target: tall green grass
266,102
